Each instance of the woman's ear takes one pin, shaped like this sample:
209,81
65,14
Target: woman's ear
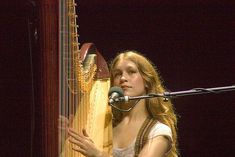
146,88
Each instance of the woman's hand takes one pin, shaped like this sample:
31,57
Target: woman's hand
83,144
63,125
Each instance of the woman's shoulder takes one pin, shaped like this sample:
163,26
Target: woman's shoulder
160,129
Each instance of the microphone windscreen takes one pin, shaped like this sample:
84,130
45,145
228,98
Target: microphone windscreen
117,90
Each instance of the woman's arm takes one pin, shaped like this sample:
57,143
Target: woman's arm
156,147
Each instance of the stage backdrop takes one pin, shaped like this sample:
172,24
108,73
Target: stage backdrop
191,42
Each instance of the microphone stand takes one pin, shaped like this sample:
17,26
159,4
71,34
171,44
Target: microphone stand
194,91
167,95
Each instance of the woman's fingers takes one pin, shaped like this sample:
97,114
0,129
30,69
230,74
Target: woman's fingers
79,147
84,152
81,138
63,122
82,143
78,143
74,134
85,133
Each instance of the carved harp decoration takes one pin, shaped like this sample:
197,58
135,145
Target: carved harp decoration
84,84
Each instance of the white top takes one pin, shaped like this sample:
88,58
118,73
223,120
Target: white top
157,130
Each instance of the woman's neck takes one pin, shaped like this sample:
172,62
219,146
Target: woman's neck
138,113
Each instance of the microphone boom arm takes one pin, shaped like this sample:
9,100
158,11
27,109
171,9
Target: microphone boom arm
197,91
194,91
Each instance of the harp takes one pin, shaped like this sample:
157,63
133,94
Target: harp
32,94
83,86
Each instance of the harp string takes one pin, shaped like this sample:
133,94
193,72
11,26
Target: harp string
78,88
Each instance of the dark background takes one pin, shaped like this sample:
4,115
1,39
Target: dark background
191,42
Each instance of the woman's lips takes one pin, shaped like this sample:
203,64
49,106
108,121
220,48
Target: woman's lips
125,87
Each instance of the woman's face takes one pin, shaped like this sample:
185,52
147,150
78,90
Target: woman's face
127,76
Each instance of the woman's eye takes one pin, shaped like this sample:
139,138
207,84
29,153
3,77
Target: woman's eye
132,72
116,74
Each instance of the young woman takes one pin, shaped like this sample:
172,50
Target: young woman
149,128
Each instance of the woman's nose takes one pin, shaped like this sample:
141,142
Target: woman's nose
123,78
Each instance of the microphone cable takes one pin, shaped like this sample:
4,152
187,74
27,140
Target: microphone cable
124,110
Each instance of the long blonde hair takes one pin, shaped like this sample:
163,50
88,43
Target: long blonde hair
157,108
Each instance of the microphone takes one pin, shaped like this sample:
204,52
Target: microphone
115,93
